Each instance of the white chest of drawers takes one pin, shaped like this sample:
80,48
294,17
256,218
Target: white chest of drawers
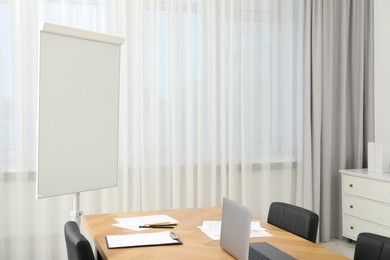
365,202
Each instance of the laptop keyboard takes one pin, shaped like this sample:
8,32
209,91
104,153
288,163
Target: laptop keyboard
256,255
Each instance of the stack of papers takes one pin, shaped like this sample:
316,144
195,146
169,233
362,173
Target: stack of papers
149,239
134,223
213,229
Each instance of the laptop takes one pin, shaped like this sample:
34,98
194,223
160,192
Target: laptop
235,235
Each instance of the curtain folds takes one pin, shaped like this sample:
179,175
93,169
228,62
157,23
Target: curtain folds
338,109
210,114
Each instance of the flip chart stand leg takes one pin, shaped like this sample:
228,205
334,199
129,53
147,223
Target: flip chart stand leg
75,214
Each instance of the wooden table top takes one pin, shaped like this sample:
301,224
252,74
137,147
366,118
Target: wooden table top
196,245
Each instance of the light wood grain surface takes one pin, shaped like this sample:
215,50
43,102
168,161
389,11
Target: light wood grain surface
196,245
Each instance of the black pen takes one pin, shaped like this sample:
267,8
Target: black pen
159,226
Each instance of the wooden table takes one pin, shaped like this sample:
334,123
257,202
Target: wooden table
196,245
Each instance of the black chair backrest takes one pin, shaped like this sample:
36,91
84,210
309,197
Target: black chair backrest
294,219
77,246
373,247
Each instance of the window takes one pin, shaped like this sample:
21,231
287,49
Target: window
271,113
90,15
7,141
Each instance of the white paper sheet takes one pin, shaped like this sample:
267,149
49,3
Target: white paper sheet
133,223
213,229
156,238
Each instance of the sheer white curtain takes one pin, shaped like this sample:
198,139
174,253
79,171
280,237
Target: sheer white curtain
212,97
210,107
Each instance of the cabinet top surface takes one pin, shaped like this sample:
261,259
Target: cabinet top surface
364,173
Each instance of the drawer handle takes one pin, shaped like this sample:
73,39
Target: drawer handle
351,206
351,185
351,227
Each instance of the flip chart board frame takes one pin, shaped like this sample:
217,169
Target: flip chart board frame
79,78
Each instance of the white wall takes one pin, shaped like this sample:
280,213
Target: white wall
382,70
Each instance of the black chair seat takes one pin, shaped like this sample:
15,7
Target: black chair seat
372,246
77,246
294,219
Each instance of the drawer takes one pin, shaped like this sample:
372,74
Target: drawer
367,209
352,227
370,189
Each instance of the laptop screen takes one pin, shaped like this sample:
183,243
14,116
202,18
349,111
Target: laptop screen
235,229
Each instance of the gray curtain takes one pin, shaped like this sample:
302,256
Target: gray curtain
339,107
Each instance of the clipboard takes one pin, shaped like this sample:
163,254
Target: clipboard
140,240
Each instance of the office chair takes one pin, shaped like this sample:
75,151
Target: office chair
372,246
77,246
294,219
